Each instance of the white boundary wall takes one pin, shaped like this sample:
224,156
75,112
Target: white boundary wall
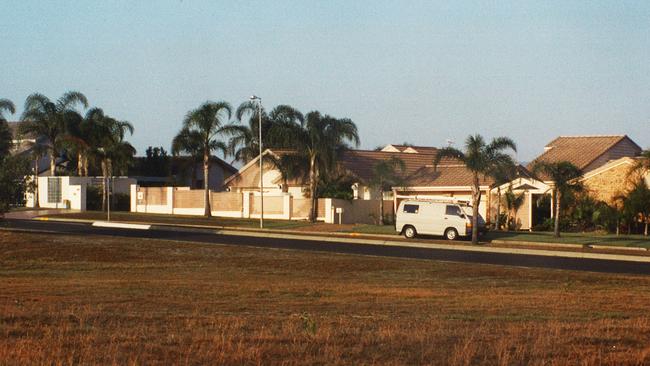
73,191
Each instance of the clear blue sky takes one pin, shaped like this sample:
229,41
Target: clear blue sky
404,71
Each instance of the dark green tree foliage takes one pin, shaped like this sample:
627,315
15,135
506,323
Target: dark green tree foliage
637,204
156,163
46,119
13,170
564,176
279,130
5,134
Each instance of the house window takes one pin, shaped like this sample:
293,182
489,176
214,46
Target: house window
54,189
411,208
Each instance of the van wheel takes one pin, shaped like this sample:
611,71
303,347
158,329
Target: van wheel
409,232
451,234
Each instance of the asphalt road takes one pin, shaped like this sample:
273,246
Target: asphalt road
593,265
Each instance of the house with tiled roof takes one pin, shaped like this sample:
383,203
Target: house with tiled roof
588,152
593,155
450,178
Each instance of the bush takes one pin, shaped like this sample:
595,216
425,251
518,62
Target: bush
121,202
93,198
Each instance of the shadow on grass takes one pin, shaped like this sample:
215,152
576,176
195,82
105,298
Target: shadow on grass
571,238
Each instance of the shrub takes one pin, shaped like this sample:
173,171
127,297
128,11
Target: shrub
93,198
121,202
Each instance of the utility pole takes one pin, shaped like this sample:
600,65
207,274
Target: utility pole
259,115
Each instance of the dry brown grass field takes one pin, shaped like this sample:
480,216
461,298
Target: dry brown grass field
98,300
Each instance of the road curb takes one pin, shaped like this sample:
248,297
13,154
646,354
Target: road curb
392,240
569,245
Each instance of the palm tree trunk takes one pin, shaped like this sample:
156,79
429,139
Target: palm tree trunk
193,172
285,185
85,165
476,198
618,227
206,187
556,224
104,175
36,203
52,163
312,188
80,164
496,221
645,230
381,207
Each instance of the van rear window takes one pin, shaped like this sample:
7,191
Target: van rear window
411,208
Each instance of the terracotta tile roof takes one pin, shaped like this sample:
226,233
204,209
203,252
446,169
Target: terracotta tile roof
419,170
579,150
445,176
418,149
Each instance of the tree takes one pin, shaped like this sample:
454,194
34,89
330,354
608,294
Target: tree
37,151
513,202
44,118
637,203
5,134
502,173
278,129
564,176
156,162
291,166
82,134
188,142
208,121
320,140
385,175
110,147
14,171
480,159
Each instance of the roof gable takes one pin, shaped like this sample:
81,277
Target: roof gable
581,151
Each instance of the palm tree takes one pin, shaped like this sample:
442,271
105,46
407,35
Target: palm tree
44,118
189,142
513,202
385,175
37,151
480,159
276,130
320,140
5,134
502,173
109,146
209,121
564,176
82,135
637,202
291,166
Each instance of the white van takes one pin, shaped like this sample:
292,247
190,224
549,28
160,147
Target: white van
449,218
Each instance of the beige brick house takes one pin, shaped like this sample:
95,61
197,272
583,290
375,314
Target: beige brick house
603,160
611,180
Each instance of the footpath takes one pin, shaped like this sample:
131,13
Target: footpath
602,252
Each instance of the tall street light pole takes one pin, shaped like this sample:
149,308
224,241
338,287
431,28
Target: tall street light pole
259,115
